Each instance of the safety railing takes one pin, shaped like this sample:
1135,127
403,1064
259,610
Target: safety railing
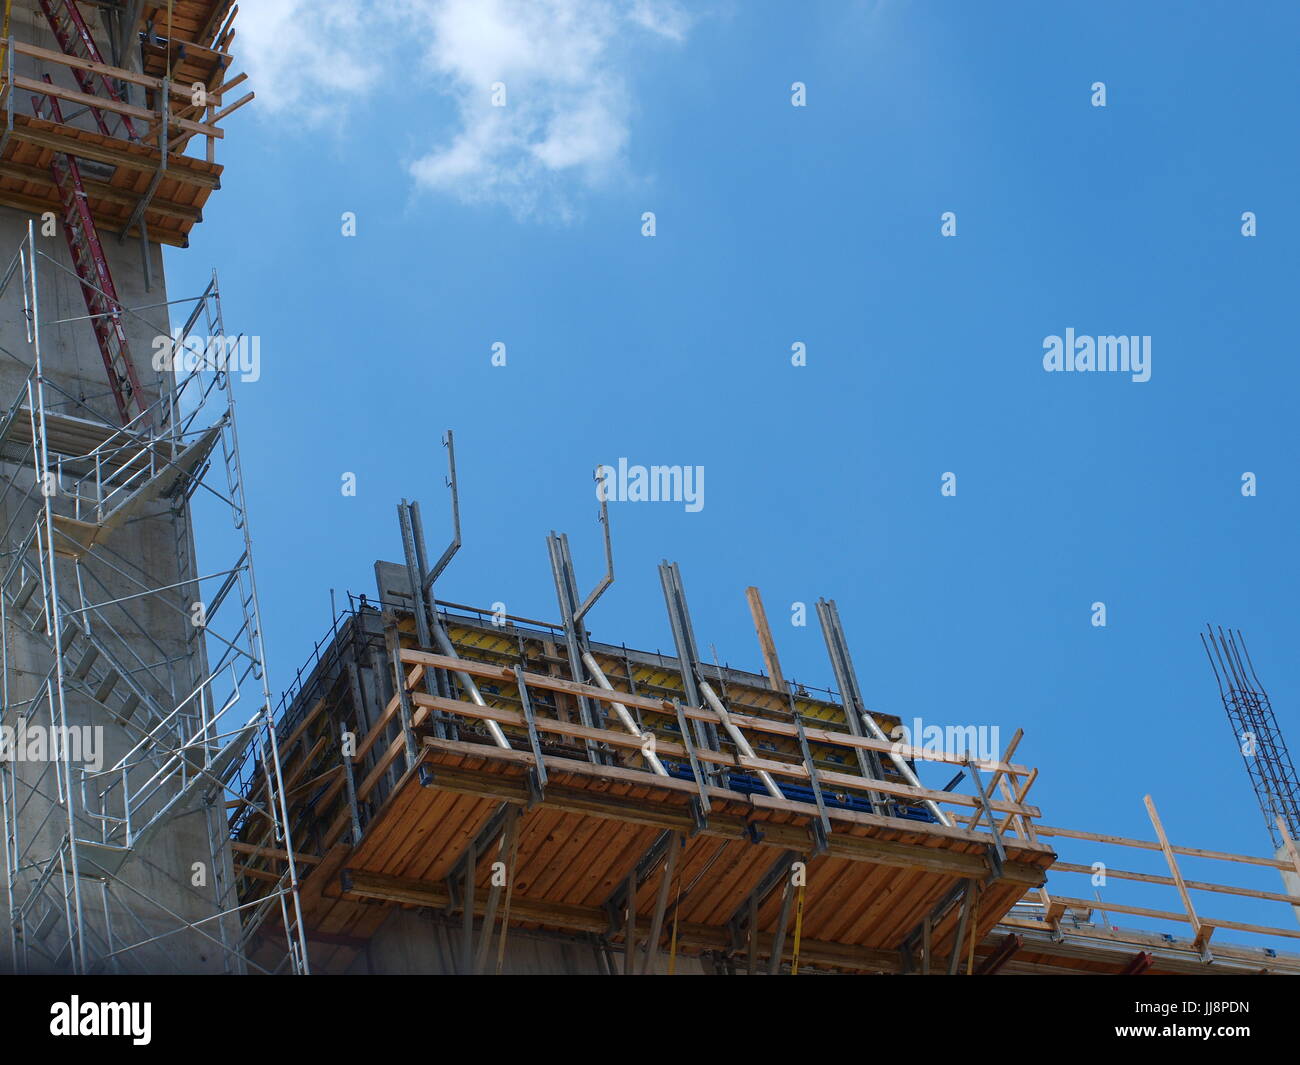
181,111
1055,907
662,737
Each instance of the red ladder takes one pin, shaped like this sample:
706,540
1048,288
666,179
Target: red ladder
75,39
96,282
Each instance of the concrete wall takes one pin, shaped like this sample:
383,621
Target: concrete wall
142,554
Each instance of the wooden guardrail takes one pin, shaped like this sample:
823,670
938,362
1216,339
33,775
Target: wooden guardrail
421,706
175,101
1202,928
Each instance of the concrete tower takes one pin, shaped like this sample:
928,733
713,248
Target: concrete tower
125,663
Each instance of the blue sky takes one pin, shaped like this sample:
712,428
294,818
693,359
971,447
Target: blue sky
820,224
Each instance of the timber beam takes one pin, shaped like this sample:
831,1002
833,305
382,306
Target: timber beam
692,938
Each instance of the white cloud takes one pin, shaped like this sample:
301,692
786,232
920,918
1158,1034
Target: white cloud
307,57
568,109
664,17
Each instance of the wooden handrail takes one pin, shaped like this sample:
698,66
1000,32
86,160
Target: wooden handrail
788,769
103,103
665,706
45,55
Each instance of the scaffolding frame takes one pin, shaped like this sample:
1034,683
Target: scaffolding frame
75,833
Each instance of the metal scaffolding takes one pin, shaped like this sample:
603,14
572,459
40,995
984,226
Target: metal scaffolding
112,637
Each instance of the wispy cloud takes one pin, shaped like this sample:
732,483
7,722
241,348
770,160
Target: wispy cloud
566,118
310,56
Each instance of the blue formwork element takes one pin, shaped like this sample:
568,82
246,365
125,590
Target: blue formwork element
747,784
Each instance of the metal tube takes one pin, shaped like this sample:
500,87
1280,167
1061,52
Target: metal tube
444,643
737,737
904,770
629,722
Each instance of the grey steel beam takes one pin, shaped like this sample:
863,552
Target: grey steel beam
855,708
661,903
679,619
869,763
505,851
821,827
537,775
566,595
629,934
782,923
955,958
408,517
700,804
467,901
349,780
997,853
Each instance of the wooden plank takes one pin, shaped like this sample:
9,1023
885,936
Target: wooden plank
1168,881
87,145
103,103
628,741
1170,915
377,730
271,852
663,706
45,55
765,642
1148,845
1102,943
1200,935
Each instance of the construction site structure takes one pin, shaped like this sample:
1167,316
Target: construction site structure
444,790
475,792
136,708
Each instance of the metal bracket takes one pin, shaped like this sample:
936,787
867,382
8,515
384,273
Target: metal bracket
478,846
821,828
537,774
855,708
404,709
700,804
608,579
921,935
679,619
450,444
643,871
349,780
164,135
997,853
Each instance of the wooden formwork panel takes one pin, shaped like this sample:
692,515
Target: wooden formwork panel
27,184
578,846
193,21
